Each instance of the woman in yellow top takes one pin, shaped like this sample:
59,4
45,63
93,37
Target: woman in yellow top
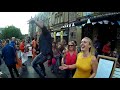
86,64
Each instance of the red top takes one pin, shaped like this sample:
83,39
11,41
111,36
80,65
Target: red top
22,47
70,59
106,48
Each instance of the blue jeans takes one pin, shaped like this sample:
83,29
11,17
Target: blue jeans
57,61
37,63
55,67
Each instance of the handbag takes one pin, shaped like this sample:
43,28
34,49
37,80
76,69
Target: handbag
53,61
49,63
24,57
19,63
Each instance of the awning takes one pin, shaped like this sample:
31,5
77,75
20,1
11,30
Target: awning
109,16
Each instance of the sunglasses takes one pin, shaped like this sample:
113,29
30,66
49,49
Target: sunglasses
70,45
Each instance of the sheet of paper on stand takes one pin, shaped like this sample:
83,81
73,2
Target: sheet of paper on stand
29,53
19,54
24,57
104,68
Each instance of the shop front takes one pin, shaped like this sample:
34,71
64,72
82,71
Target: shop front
104,28
59,35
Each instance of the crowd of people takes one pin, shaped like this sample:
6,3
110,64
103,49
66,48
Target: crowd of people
13,53
9,48
74,61
106,50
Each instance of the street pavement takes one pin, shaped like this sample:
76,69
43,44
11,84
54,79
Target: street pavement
28,71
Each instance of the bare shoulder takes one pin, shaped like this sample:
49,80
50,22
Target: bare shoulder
94,59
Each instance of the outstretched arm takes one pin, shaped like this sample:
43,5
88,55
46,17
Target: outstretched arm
64,66
40,25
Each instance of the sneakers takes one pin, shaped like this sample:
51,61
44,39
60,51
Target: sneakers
43,74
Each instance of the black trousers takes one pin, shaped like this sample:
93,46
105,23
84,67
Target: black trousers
69,73
11,68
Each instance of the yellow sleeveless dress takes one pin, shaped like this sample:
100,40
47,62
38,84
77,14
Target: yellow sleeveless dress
83,65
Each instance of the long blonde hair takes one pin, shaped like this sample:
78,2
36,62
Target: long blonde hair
92,48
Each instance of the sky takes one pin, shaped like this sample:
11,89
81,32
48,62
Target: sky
18,19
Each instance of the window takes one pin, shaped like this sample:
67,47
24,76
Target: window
87,13
73,35
61,19
60,13
55,20
58,19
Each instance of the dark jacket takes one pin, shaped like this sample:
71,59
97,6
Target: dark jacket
8,54
45,41
13,44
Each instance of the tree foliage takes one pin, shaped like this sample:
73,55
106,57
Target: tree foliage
11,31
